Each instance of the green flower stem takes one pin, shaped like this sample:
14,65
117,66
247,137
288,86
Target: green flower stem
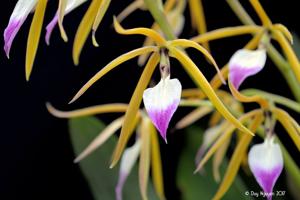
156,9
277,58
289,164
275,98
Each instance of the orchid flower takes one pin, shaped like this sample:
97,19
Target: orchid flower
266,163
188,64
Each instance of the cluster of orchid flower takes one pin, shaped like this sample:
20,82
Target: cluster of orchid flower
161,101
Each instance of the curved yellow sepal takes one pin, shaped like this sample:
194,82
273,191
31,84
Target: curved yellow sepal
61,13
227,32
289,125
189,43
140,31
156,166
112,65
248,99
283,29
289,52
93,110
144,164
100,139
261,13
100,14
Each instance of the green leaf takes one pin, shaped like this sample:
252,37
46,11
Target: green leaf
196,186
95,167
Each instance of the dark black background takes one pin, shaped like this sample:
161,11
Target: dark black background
36,161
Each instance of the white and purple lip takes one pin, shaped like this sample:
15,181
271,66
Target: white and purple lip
266,164
161,102
245,63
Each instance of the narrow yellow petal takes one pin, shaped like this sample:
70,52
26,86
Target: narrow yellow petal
215,84
237,157
198,18
292,120
144,164
93,110
34,36
218,159
214,119
134,106
193,116
255,41
156,166
284,119
227,32
112,65
130,9
100,139
100,14
248,99
188,43
61,13
285,31
289,52
201,81
227,133
169,5
261,13
191,93
140,31
84,29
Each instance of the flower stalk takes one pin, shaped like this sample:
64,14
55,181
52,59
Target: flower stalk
156,9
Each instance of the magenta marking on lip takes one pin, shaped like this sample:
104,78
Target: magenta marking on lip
267,178
161,118
238,74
